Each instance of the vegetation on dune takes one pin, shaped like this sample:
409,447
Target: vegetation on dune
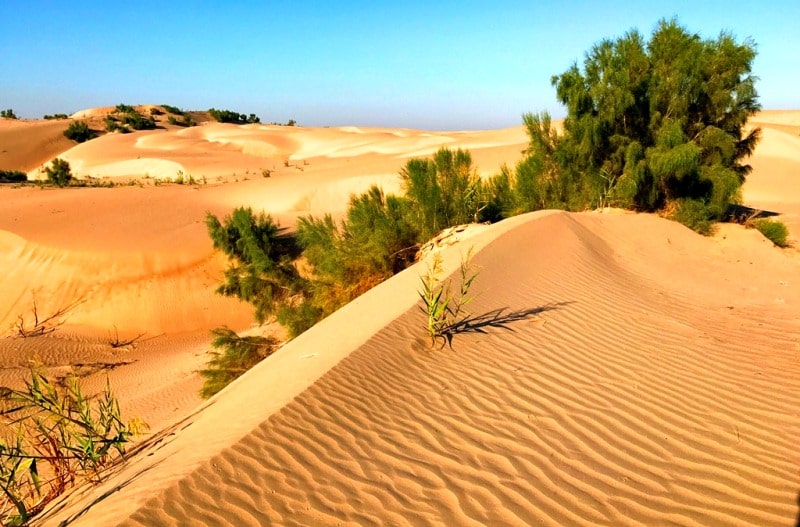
8,114
59,172
79,132
261,256
774,230
12,176
238,355
227,116
56,116
654,126
55,436
125,118
651,126
444,309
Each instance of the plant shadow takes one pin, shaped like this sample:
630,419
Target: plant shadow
497,318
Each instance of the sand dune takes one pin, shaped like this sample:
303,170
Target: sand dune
660,389
25,145
629,399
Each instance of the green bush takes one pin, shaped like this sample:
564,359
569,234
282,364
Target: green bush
56,116
79,132
125,108
694,214
8,114
59,172
650,126
238,355
174,110
445,191
55,436
260,254
12,176
773,230
227,116
138,121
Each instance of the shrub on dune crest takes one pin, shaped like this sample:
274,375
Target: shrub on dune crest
651,126
774,230
79,132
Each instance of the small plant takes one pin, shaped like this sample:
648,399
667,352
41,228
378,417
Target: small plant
266,173
238,355
115,342
773,230
179,177
443,309
156,111
42,324
56,116
79,132
54,436
59,172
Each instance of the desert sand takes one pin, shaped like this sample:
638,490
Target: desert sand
644,375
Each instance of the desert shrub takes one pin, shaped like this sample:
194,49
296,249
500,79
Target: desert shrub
54,436
185,121
8,114
56,116
156,111
650,126
79,132
237,355
694,214
291,122
125,108
12,176
138,121
59,172
174,110
227,116
444,190
374,241
113,125
260,254
774,230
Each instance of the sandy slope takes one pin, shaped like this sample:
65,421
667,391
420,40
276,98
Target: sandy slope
659,393
25,145
631,398
139,260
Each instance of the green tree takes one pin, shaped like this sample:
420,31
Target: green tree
261,270
59,172
8,114
650,126
79,132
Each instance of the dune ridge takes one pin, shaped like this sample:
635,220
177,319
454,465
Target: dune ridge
627,401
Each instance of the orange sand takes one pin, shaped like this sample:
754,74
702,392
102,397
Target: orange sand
655,383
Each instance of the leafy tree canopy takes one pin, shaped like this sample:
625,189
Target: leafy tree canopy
650,126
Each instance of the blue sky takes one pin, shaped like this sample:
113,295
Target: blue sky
419,64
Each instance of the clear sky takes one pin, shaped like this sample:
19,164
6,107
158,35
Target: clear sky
420,64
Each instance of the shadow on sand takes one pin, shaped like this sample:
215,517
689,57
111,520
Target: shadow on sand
497,318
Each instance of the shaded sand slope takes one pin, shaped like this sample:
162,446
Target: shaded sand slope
656,386
24,145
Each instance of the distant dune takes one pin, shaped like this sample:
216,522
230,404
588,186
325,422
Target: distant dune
656,384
